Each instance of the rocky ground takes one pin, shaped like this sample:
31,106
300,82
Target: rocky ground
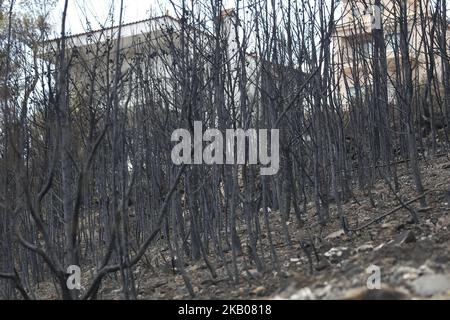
413,258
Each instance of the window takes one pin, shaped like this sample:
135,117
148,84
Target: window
363,49
367,48
392,93
352,92
392,41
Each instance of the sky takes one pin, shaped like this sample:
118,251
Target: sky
97,12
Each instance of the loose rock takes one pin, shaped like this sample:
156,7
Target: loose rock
404,237
432,284
260,291
334,235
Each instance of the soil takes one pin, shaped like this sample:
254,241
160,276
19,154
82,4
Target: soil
413,258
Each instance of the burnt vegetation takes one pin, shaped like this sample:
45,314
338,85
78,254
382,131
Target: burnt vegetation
86,176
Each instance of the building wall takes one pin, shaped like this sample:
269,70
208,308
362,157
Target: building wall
352,43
